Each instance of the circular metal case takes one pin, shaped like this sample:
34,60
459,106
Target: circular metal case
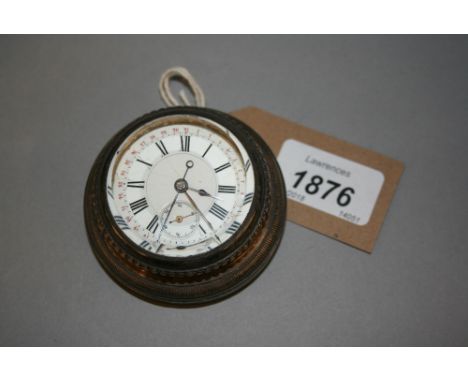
197,279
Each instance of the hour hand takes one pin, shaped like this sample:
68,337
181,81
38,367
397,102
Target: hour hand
202,192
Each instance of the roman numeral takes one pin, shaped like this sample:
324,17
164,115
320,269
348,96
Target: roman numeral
121,222
153,224
223,167
208,149
139,184
247,165
146,163
227,189
248,198
161,147
218,211
201,228
144,244
138,205
185,143
233,228
109,192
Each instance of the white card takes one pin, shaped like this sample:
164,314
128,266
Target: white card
329,183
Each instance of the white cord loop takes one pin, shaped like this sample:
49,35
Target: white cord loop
184,77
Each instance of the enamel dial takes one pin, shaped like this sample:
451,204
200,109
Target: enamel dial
180,189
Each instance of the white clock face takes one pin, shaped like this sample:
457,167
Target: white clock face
178,188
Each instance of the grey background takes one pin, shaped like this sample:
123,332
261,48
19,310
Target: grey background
62,98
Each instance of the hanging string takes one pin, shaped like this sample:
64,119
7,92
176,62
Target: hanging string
183,76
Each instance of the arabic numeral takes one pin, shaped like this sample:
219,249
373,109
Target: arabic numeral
333,187
350,217
344,198
315,184
301,176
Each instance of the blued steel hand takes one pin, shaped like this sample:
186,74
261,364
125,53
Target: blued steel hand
202,192
188,165
203,216
163,227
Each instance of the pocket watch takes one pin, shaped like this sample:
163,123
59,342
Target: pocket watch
185,205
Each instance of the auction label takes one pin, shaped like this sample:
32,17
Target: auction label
329,183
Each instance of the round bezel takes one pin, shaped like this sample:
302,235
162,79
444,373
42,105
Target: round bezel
151,128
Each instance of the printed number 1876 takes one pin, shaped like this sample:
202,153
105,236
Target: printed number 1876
316,183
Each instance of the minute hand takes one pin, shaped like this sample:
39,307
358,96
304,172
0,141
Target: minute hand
203,216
